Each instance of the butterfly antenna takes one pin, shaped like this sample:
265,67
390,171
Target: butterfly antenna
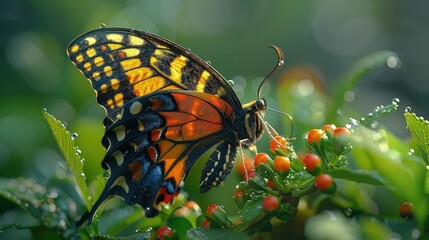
287,114
278,66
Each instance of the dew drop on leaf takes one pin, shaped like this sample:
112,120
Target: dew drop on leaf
73,136
64,124
411,152
348,212
44,110
407,109
395,101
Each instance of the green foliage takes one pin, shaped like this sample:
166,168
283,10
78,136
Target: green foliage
367,161
71,153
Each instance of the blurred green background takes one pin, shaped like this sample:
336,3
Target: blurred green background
324,36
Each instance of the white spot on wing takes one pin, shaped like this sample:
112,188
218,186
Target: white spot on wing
120,132
120,181
135,107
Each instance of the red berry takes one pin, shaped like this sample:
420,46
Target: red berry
312,163
261,158
210,209
341,131
406,210
278,143
205,224
281,164
329,128
164,231
270,203
314,135
271,184
325,183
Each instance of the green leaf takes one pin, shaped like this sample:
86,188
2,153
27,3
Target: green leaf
402,173
216,233
97,186
360,176
252,209
70,152
51,207
181,225
419,129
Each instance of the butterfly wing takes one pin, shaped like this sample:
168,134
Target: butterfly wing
123,64
165,108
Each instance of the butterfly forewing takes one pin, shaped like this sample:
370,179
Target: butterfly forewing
123,64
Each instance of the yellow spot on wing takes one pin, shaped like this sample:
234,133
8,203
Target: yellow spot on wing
176,68
138,74
115,37
104,88
98,61
74,48
110,103
202,81
141,125
119,99
114,83
120,181
131,52
114,46
130,64
136,41
91,52
149,85
96,76
108,71
90,40
79,58
87,66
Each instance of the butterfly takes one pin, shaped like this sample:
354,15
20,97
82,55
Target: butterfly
165,107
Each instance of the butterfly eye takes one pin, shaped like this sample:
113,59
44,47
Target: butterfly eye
260,104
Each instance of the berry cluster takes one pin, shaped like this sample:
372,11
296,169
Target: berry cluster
274,183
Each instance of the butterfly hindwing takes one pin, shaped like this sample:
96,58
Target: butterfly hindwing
156,141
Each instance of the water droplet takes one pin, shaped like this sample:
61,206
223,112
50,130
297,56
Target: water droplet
26,205
231,83
82,160
64,124
82,174
374,124
407,109
411,152
393,62
102,25
348,212
73,136
78,151
106,174
188,50
44,110
370,114
395,101
209,63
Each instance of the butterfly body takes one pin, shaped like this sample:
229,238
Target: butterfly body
165,107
